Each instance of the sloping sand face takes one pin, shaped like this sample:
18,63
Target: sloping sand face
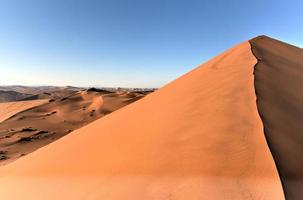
11,108
199,137
279,88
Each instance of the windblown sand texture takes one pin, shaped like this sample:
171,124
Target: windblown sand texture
199,137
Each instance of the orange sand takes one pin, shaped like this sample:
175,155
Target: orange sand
200,137
11,108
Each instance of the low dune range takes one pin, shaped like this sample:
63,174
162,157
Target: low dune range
29,125
230,129
22,93
8,96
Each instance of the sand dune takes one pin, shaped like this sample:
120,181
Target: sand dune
199,137
279,87
55,94
9,96
31,129
38,89
23,93
11,108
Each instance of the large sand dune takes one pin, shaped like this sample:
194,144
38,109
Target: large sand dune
200,137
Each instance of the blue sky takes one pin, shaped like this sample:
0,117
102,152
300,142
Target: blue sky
130,43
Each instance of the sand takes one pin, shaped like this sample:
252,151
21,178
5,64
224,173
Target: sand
36,90
199,137
11,108
56,94
29,130
10,96
23,93
279,81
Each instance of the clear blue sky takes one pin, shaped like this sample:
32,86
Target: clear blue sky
130,43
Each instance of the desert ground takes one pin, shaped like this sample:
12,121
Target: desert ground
30,124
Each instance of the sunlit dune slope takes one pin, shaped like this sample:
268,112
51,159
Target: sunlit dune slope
11,108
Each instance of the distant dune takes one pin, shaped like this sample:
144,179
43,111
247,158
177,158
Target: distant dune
54,94
199,137
30,129
8,96
23,93
33,90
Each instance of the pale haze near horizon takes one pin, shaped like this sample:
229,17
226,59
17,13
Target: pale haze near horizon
130,43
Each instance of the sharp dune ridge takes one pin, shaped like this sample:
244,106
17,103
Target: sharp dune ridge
199,137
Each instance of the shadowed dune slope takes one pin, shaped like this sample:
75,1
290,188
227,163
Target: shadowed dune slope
279,89
9,109
199,137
